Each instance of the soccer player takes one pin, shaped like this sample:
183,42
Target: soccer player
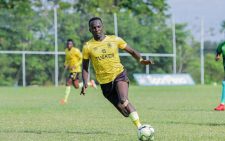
102,50
221,50
73,60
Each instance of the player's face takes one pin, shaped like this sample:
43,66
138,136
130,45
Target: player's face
96,28
69,45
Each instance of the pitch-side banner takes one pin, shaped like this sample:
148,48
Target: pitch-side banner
163,79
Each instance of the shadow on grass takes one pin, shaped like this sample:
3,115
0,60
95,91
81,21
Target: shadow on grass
183,110
54,132
189,123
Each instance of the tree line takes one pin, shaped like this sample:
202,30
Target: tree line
144,24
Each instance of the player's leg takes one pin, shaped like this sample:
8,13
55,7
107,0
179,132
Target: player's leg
75,80
92,84
69,82
222,100
121,102
124,104
109,91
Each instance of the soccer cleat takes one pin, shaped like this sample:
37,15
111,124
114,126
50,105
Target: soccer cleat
62,102
220,107
93,84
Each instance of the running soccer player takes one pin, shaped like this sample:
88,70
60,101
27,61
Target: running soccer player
221,50
102,50
73,60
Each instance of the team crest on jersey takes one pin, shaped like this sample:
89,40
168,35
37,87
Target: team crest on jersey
103,51
109,45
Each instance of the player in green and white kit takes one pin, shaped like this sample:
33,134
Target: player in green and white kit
221,50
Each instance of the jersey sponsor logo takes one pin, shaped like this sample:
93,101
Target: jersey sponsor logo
104,56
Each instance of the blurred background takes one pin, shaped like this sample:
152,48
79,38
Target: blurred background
33,34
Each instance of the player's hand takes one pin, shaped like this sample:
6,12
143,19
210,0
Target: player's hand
83,90
147,62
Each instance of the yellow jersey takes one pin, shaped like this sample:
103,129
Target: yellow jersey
104,56
73,58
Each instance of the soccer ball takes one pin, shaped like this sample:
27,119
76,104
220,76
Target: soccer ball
146,133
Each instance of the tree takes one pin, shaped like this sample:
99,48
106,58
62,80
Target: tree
14,35
28,25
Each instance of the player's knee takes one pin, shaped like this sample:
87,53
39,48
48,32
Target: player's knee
124,103
76,84
122,106
68,83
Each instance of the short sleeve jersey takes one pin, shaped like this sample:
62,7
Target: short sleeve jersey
73,57
221,50
104,56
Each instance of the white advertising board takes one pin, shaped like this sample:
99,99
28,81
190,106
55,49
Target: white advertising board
163,79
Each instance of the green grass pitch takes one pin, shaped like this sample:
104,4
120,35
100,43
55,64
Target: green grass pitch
183,113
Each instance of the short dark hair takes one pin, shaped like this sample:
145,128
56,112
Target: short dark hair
93,19
69,40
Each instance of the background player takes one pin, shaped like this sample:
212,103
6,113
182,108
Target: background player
221,50
73,60
102,50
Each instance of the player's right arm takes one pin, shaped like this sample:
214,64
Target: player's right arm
85,65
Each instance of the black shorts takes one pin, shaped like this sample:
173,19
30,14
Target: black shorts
74,76
109,89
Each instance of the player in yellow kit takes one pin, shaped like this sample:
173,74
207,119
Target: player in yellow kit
102,50
73,60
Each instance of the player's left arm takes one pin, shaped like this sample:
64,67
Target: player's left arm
137,56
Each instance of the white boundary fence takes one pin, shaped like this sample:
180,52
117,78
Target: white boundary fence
56,53
24,53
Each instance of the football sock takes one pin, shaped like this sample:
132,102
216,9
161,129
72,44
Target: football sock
67,93
223,93
135,119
